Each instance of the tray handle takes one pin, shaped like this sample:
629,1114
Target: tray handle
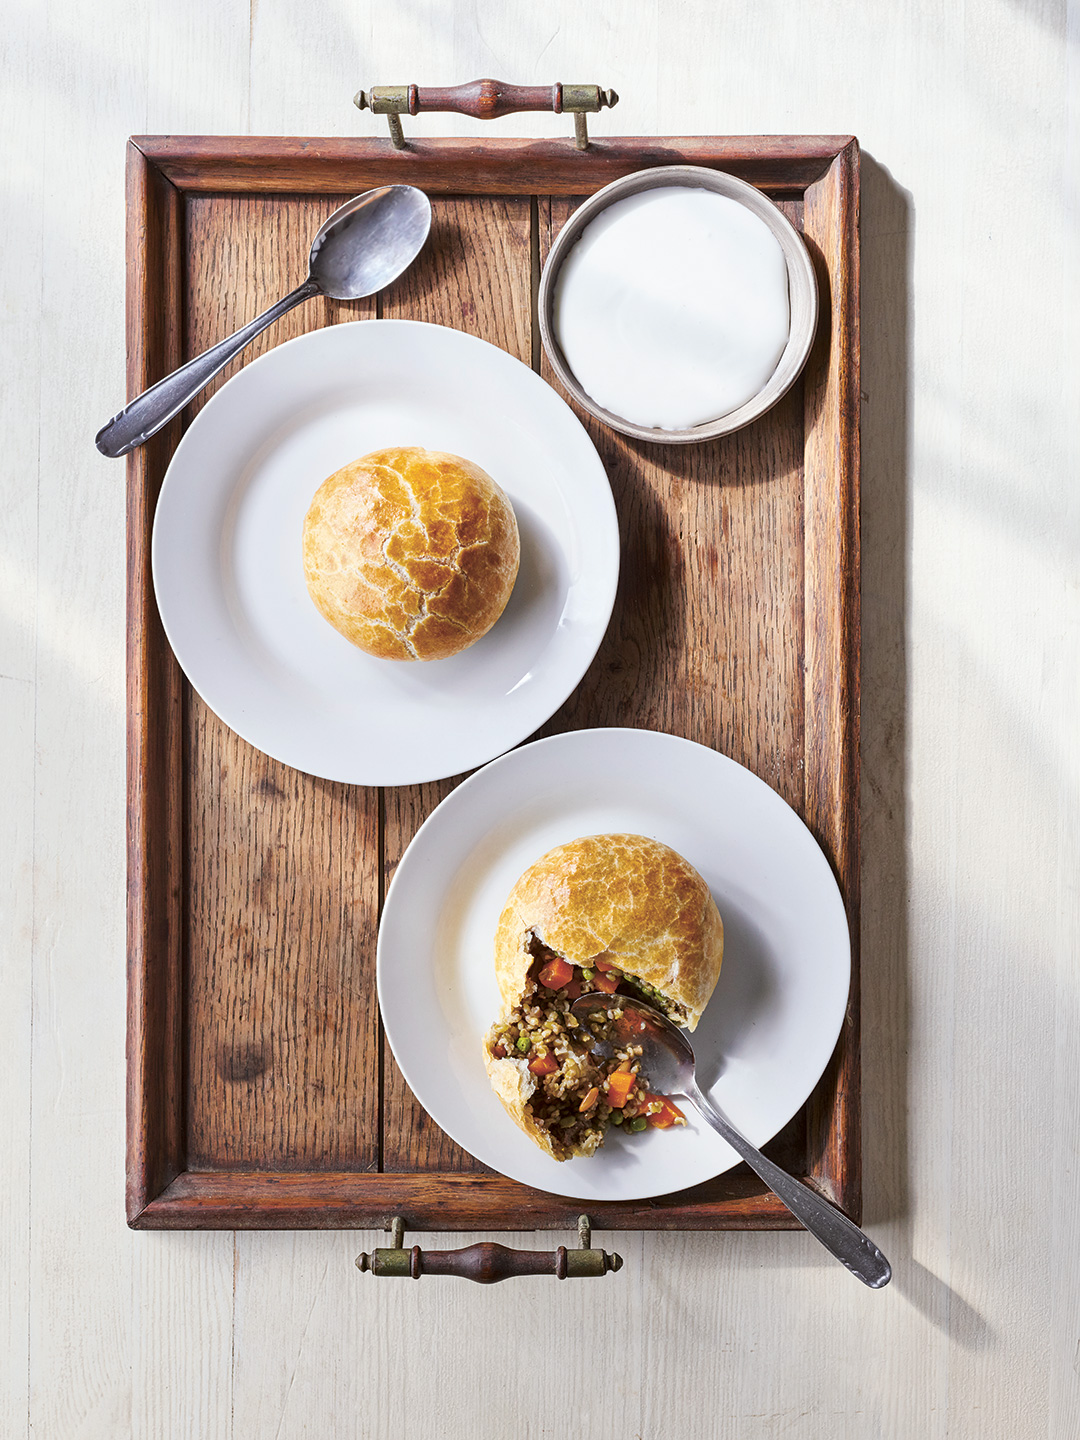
487,1263
485,100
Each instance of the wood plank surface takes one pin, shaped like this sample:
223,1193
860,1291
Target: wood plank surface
281,868
244,252
286,1066
706,637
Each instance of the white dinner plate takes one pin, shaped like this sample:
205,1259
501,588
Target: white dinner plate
771,1024
229,577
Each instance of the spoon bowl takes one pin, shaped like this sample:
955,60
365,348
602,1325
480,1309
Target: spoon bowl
367,242
667,1059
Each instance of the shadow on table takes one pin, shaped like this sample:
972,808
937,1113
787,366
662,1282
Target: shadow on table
943,1307
886,269
886,313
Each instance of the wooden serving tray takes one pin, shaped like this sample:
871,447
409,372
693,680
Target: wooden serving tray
260,1090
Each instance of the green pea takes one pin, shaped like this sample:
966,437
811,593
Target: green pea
638,1123
524,1044
616,1117
587,974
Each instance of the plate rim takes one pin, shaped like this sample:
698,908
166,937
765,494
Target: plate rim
604,493
508,759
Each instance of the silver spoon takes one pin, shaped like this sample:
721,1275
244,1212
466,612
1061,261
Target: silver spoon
364,245
667,1058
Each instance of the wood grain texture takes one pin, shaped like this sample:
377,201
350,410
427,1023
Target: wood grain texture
281,869
779,163
484,99
831,228
269,1200
280,876
243,252
156,1149
705,639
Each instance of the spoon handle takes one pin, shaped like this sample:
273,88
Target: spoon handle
155,407
835,1231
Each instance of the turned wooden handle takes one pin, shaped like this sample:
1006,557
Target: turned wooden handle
487,1263
486,99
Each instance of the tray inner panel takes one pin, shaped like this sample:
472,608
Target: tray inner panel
286,1065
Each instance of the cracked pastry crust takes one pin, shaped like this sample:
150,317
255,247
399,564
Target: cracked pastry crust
625,899
411,554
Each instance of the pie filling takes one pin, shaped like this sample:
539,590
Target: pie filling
578,1094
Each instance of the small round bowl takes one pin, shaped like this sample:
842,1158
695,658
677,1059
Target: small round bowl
802,298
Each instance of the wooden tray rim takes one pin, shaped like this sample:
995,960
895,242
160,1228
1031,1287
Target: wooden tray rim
161,1194
783,164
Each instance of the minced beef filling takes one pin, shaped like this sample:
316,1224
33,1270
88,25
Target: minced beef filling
578,1094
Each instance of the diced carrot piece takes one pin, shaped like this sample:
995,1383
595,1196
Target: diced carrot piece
544,1065
666,1116
619,1086
572,988
556,973
590,1099
608,983
603,965
499,1051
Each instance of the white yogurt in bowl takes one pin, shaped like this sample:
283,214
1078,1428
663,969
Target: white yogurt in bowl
689,291
678,304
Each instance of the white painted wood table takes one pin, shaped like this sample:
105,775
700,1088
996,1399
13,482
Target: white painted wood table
970,122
